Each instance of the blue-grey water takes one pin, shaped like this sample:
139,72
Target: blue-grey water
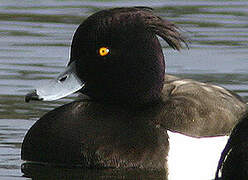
35,38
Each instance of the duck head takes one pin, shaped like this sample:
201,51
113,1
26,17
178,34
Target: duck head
116,57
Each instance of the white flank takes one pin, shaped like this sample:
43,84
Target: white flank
194,158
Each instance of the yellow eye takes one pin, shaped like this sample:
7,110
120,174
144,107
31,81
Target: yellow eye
103,51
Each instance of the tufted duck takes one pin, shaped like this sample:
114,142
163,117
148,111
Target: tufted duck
117,61
234,158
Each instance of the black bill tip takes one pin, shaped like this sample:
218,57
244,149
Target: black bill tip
32,96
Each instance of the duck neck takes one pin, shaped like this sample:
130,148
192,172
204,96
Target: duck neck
144,87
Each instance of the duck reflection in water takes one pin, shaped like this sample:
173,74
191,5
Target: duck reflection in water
119,128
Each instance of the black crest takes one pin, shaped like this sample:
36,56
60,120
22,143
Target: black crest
161,27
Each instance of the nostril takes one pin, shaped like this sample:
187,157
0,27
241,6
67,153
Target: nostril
63,78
